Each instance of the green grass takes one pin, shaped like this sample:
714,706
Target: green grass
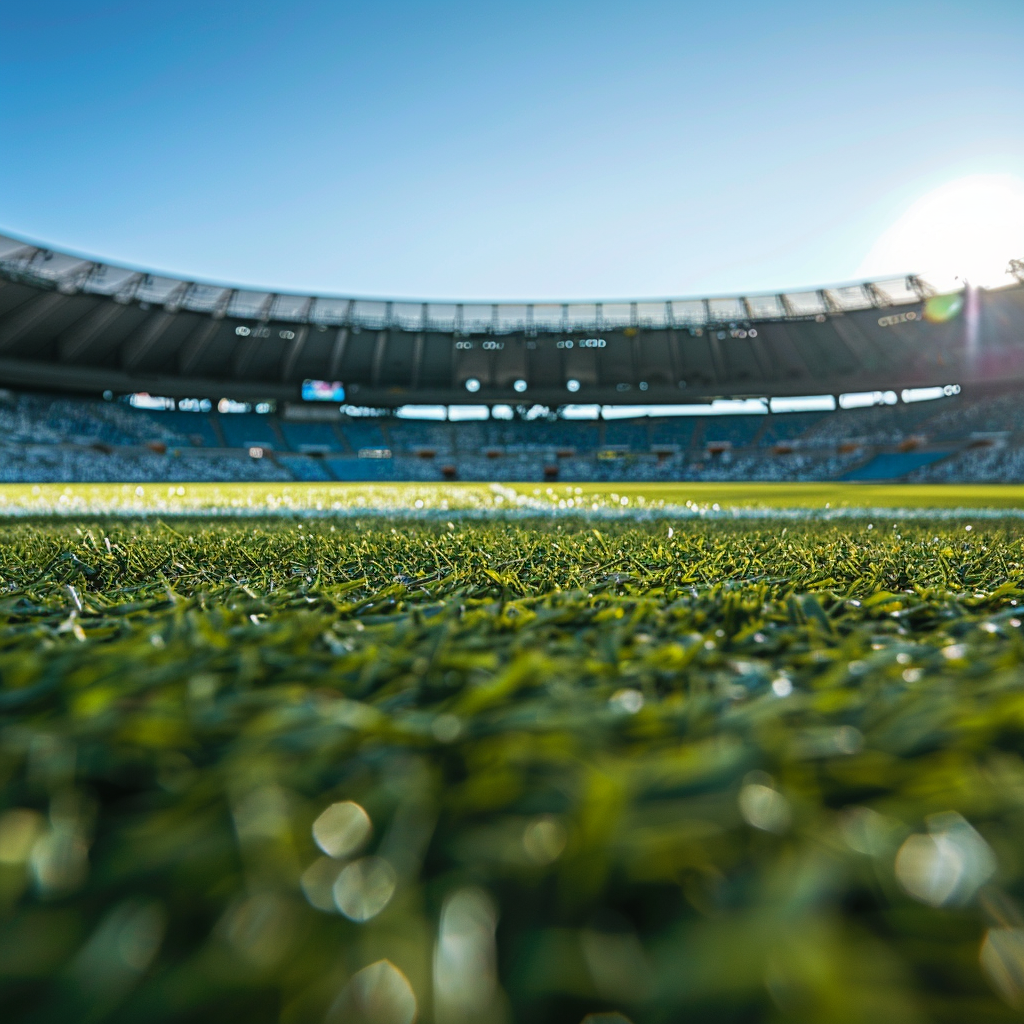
741,772
262,499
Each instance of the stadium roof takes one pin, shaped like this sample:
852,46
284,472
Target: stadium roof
73,323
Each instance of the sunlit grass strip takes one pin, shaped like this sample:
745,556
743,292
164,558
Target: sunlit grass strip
682,500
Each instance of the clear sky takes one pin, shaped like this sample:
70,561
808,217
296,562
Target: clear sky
517,150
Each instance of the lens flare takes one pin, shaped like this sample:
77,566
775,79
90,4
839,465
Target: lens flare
938,309
964,231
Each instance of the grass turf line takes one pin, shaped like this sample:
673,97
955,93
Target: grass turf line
735,773
249,499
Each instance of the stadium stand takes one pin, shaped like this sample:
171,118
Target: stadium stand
675,431
976,465
305,469
48,437
310,437
789,426
735,431
882,424
997,415
229,383
423,436
248,430
49,463
631,435
364,469
893,465
193,427
362,435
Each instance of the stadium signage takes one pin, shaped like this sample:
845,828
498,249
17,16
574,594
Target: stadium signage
896,318
323,391
262,332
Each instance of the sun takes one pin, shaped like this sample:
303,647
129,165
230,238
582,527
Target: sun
966,230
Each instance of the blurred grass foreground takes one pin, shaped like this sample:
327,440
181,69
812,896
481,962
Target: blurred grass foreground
511,771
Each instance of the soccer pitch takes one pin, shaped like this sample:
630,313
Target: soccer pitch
658,499
511,769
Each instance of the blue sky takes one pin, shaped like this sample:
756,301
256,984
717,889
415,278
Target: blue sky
528,150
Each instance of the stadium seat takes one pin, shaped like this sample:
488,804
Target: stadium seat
310,437
247,430
894,465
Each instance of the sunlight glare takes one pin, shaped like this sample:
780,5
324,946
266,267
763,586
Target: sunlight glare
965,230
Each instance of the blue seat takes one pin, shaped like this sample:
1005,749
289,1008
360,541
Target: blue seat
247,430
360,469
310,437
894,465
304,468
193,427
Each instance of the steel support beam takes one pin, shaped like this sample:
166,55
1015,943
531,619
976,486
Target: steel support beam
193,349
673,354
378,357
809,372
72,282
129,289
135,348
922,290
268,304
757,350
718,367
179,296
220,310
23,255
245,349
295,346
878,298
337,353
830,302
81,335
27,316
636,362
418,345
294,350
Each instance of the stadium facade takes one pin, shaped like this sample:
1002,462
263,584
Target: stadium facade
70,323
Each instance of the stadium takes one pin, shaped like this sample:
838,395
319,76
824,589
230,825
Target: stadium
346,389
512,513
633,661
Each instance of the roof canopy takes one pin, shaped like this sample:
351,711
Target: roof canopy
72,323
73,274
